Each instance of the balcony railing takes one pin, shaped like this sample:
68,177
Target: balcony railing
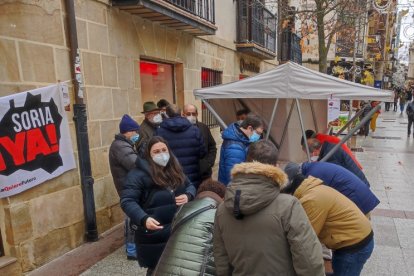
196,17
201,8
256,24
291,49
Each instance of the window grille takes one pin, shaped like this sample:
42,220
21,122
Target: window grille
209,78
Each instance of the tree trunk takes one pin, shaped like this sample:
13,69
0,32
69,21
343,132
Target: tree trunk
323,62
323,51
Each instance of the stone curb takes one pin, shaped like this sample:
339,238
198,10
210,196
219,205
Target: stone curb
83,257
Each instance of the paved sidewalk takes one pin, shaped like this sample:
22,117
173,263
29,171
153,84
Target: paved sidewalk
388,158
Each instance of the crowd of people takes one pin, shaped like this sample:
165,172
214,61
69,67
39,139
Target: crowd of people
403,98
257,219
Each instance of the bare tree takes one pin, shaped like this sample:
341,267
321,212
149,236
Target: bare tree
326,19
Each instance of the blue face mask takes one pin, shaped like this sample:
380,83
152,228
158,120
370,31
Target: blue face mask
255,137
134,138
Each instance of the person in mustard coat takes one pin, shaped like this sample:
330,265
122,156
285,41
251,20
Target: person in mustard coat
337,222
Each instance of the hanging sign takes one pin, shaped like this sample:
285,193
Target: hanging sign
35,143
334,111
249,66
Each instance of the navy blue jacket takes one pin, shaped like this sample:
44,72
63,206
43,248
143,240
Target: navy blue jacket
187,144
344,182
233,151
341,158
140,198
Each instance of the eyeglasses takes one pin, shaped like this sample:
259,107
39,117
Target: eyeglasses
191,114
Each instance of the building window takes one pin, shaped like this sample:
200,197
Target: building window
209,78
157,81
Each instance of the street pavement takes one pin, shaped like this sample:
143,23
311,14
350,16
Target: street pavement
387,157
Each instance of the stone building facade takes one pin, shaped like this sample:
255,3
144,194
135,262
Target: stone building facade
47,221
410,75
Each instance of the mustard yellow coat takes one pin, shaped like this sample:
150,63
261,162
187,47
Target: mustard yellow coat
337,221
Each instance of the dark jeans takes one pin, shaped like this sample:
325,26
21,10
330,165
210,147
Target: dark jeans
395,106
402,107
410,122
387,106
129,239
351,263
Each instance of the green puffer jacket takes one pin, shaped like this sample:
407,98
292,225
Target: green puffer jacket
189,250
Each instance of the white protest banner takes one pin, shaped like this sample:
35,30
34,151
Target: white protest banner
35,143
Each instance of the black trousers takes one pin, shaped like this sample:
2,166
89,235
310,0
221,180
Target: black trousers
365,128
410,122
387,106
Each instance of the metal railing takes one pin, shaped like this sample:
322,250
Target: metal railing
291,49
200,8
256,24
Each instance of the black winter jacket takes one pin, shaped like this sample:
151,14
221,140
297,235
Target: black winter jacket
141,198
122,157
187,144
207,162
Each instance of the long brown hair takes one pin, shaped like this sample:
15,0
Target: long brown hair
172,174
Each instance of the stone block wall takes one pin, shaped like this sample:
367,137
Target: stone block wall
47,221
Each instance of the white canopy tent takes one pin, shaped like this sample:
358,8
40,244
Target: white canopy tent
288,85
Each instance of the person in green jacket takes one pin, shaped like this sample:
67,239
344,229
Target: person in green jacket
258,230
189,250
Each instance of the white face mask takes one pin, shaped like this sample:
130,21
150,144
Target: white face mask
157,119
314,158
161,159
192,119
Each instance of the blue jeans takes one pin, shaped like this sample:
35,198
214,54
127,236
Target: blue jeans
129,239
351,263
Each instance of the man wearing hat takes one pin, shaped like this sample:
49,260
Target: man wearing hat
149,126
122,157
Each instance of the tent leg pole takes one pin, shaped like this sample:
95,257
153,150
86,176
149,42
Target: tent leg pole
349,135
269,127
243,104
349,122
303,128
282,140
211,109
315,122
350,116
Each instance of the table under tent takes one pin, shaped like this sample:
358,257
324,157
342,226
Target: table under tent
290,99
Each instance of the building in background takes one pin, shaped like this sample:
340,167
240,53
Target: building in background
410,74
130,52
381,37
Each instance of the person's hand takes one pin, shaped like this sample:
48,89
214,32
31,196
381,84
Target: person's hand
152,224
181,199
